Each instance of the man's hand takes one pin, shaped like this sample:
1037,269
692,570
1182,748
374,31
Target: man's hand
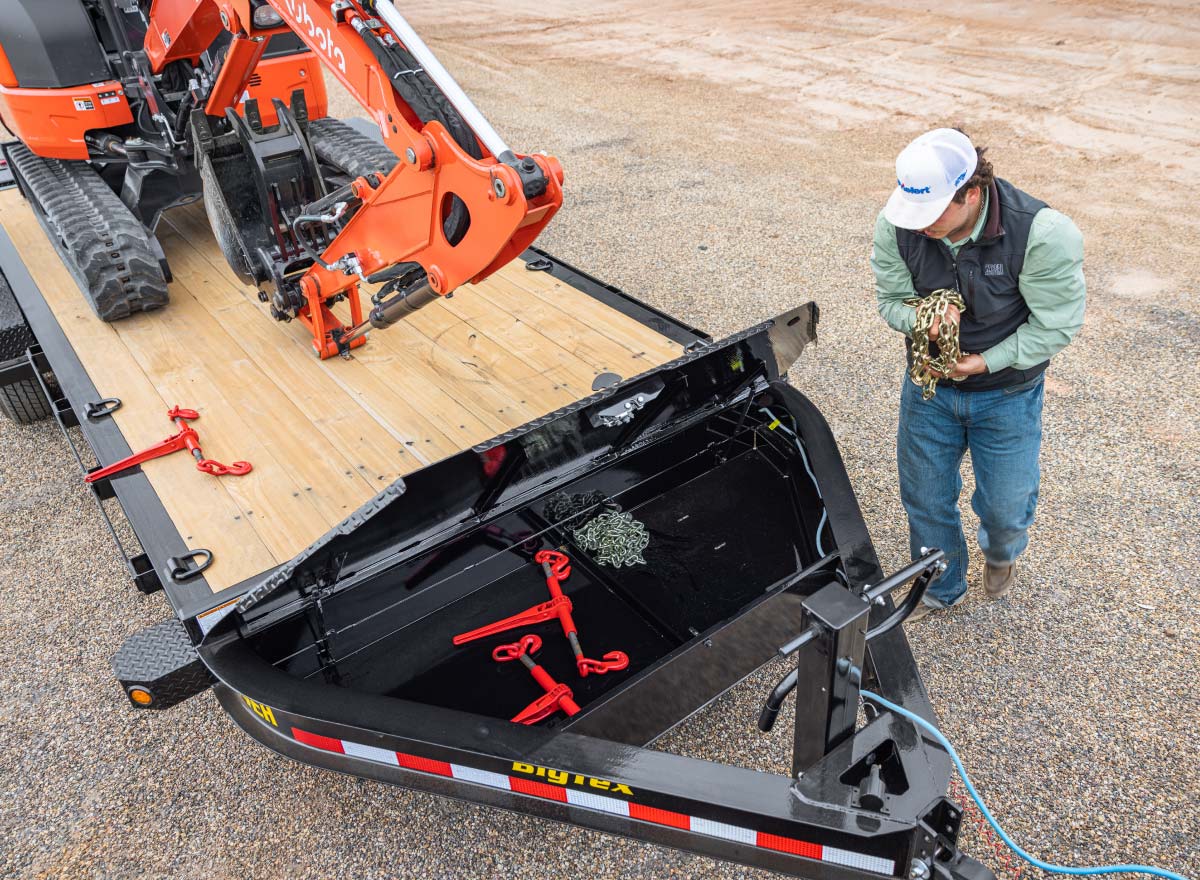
952,314
967,365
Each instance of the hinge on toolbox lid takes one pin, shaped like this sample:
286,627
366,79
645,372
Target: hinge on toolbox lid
622,411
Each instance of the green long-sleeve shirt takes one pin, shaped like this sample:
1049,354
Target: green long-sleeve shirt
1051,283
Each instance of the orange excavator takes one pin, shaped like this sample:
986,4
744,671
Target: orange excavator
126,108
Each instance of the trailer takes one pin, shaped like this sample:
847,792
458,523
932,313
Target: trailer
546,449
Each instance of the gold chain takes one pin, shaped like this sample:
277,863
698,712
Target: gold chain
924,368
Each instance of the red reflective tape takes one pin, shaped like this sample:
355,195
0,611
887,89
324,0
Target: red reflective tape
659,817
328,743
789,845
538,789
425,765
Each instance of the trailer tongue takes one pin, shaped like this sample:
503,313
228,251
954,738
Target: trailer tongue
346,657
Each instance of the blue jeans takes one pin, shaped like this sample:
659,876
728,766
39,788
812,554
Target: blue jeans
1003,430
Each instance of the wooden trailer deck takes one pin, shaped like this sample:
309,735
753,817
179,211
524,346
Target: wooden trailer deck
323,436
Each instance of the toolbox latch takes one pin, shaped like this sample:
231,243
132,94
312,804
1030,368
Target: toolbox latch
622,412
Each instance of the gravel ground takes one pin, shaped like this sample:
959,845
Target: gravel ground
726,168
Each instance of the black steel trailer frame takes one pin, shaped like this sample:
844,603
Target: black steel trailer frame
859,801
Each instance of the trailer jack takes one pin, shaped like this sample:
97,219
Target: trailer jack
925,570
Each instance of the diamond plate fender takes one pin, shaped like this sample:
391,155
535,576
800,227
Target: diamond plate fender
161,661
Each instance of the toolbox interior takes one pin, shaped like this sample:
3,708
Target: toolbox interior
731,511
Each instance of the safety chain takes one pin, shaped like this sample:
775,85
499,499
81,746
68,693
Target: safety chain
925,369
614,539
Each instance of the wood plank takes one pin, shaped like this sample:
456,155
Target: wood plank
292,493
594,349
395,382
480,372
594,314
535,347
466,352
410,426
379,446
325,435
205,514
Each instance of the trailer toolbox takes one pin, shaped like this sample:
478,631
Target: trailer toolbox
516,620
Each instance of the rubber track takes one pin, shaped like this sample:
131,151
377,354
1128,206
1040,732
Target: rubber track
341,146
101,242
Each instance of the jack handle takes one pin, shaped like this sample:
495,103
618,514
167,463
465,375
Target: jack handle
926,570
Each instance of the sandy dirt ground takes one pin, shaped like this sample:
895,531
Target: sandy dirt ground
725,161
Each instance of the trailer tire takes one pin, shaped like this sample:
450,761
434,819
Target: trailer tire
24,402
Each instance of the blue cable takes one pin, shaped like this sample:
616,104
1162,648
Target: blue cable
1037,863
811,475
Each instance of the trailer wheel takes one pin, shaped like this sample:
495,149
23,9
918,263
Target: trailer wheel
24,402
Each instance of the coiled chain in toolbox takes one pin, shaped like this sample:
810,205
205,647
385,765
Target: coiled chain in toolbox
610,538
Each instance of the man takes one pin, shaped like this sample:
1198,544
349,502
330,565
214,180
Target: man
1018,267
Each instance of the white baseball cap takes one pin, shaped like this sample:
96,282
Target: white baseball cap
929,172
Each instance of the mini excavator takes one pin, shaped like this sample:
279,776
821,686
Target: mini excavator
126,108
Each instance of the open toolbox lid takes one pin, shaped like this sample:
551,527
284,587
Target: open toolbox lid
432,504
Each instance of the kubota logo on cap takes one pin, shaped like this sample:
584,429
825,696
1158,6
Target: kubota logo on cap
916,191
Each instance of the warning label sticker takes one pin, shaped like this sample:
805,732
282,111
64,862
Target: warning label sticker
84,104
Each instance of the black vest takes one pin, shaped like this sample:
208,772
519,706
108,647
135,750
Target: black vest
985,276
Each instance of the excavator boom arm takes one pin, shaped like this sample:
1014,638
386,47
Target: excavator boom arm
459,203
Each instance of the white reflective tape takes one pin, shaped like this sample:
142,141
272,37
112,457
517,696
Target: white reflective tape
597,802
857,860
726,832
483,777
380,756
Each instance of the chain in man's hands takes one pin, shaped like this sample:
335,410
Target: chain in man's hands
925,370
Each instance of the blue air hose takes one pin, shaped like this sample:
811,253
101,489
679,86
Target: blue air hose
1037,863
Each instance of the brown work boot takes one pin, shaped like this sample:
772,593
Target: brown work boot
923,609
998,579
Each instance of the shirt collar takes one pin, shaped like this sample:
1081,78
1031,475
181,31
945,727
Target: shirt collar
979,222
